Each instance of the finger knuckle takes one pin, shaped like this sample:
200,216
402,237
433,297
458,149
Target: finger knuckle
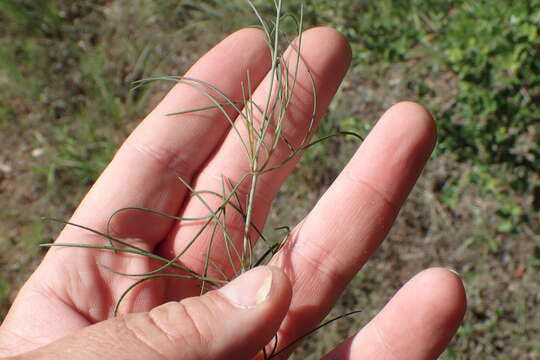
185,324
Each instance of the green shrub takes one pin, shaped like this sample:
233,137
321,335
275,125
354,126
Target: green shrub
489,50
493,120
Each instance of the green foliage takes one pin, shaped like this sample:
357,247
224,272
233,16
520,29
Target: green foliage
6,111
4,297
535,259
33,56
451,354
492,122
33,17
489,115
79,85
4,289
494,51
79,155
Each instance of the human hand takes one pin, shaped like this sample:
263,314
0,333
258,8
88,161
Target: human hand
63,310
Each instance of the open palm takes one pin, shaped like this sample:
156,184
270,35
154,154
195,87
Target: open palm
73,290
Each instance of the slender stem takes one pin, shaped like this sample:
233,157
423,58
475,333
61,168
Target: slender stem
249,209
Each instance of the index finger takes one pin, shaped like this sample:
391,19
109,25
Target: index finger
145,170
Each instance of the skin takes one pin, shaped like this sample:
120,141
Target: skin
63,310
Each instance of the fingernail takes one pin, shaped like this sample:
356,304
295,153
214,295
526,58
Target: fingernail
454,271
249,289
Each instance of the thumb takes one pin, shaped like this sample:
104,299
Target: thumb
234,322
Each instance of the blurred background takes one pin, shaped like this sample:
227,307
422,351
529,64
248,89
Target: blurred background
66,69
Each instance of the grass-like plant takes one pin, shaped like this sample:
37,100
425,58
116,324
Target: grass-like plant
260,136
